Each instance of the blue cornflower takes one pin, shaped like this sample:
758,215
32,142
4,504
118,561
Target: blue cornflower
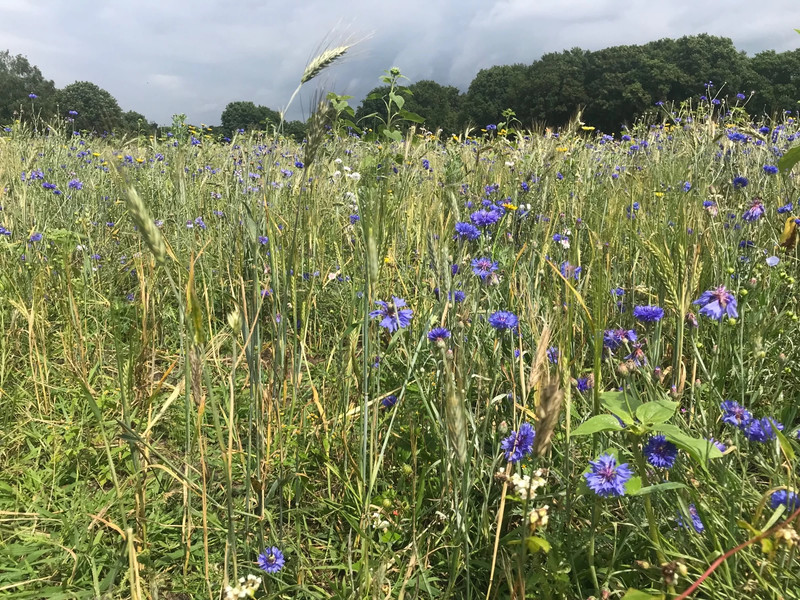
607,478
75,184
735,414
36,237
483,267
754,212
438,334
503,320
740,182
660,452
263,240
786,498
716,303
740,96
484,218
618,291
519,443
354,219
271,560
32,96
687,186
392,318
552,354
567,270
200,223
770,169
584,384
697,523
773,261
785,208
458,296
637,355
761,430
491,127
467,231
72,113
614,338
389,401
718,445
648,314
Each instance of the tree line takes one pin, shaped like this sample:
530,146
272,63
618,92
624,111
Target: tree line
612,87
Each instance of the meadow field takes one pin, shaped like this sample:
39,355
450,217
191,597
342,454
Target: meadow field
505,364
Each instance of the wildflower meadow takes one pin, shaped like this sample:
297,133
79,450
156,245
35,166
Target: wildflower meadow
510,363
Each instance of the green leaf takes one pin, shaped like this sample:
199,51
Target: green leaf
657,411
597,424
410,116
633,594
537,544
622,406
659,487
789,160
634,486
699,449
785,445
399,101
393,135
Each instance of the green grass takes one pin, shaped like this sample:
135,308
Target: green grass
165,421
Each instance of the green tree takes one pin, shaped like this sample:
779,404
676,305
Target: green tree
246,115
493,91
136,123
18,79
438,104
554,88
776,79
97,109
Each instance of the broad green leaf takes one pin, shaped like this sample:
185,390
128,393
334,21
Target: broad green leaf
657,411
789,160
413,117
621,405
785,445
634,486
399,101
597,424
667,485
633,594
699,449
537,544
393,135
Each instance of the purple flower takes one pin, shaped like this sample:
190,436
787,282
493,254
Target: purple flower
271,560
606,478
785,208
36,237
735,414
552,354
697,523
484,218
614,338
483,267
770,169
75,184
389,401
391,314
716,303
660,452
761,430
584,384
718,445
567,270
467,231
786,498
263,240
754,212
648,314
519,443
32,96
438,334
502,320
773,261
740,182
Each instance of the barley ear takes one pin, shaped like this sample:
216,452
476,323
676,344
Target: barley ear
144,222
323,61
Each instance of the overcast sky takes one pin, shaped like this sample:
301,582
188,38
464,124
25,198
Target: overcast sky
161,57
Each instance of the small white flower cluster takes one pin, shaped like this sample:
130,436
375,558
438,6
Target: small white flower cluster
525,486
379,522
245,589
538,517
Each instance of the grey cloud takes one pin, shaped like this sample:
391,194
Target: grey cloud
161,57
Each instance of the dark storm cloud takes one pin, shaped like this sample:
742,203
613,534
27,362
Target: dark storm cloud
194,56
